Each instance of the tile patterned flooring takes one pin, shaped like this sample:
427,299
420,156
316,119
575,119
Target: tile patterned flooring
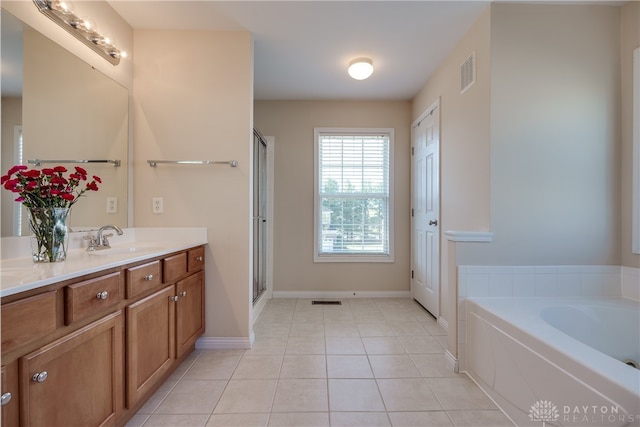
367,362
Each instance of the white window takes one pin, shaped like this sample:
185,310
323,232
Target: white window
353,195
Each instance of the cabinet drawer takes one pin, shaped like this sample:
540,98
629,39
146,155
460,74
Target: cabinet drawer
28,319
91,296
195,259
143,277
174,267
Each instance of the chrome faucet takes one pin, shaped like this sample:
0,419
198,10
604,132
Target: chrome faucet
101,240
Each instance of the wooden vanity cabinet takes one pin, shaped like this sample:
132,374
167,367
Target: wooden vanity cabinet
89,351
190,312
150,342
75,380
9,406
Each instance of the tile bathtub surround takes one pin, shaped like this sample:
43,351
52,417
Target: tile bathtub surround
368,362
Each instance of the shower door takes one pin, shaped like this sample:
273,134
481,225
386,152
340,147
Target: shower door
259,215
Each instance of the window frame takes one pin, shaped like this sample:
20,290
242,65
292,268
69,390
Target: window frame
635,226
317,205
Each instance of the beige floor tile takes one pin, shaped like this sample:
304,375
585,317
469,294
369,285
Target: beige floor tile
354,366
212,367
340,329
192,397
304,366
308,316
305,345
344,345
354,395
238,420
383,345
409,394
187,420
337,314
408,328
397,316
368,316
252,367
421,344
459,393
137,420
301,395
299,419
420,419
242,396
308,329
359,419
375,330
268,345
433,365
156,399
436,330
393,366
280,330
482,418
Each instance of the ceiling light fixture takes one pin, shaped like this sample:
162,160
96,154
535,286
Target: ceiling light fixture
61,12
360,68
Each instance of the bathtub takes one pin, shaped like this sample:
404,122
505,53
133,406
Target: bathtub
557,361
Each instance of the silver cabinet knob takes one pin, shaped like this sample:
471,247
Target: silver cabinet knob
433,222
173,298
102,295
183,293
5,398
148,277
40,377
199,259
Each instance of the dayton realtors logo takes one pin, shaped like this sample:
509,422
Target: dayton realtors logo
545,411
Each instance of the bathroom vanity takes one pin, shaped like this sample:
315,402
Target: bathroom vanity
87,341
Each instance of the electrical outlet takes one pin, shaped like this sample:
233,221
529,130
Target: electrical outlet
112,205
157,206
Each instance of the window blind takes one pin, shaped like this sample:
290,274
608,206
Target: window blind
353,191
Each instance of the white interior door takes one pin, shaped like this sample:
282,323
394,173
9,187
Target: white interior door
425,236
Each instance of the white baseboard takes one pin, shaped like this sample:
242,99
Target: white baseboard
341,294
452,361
225,343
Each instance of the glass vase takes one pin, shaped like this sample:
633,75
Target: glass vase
49,233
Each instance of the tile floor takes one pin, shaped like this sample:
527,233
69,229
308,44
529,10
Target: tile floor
367,362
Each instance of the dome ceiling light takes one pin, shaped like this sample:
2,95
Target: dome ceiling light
360,68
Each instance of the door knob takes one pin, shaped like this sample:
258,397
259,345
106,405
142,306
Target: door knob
40,377
433,222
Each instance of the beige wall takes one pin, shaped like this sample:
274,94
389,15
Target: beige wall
292,123
193,96
630,39
555,135
464,144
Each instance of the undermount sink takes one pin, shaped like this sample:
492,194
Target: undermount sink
133,248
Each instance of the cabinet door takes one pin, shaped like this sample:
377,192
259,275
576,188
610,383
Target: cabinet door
150,342
9,391
190,312
76,380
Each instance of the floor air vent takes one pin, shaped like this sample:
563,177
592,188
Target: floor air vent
326,302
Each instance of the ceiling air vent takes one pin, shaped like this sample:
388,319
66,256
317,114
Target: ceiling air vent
468,73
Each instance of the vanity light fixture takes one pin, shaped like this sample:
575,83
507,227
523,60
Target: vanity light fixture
84,29
360,68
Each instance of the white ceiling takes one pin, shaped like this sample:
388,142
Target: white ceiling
302,48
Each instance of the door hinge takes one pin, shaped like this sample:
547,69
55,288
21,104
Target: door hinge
412,212
412,274
412,151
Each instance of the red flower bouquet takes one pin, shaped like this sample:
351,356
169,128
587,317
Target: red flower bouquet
48,195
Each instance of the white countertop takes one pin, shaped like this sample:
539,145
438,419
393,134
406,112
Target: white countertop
18,272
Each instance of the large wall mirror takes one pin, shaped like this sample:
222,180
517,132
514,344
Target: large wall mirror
57,107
